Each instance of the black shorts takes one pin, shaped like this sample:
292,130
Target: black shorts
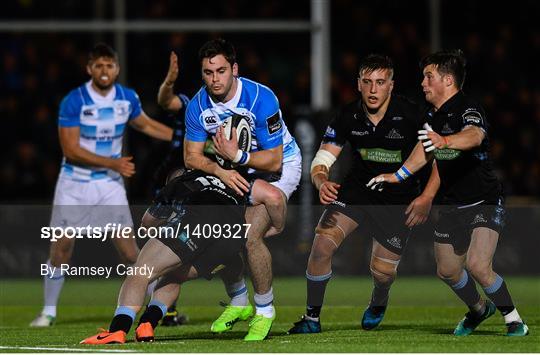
378,217
205,228
456,223
209,237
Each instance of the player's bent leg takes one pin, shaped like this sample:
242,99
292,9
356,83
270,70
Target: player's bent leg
450,269
330,232
480,264
165,294
60,253
275,203
383,267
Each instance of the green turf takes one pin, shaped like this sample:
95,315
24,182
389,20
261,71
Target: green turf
421,317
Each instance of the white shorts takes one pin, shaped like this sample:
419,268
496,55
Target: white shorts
94,203
290,176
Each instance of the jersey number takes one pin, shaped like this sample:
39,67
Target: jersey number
213,181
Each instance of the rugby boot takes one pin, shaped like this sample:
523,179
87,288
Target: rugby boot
43,320
473,320
305,326
517,329
259,328
230,316
144,332
373,316
106,337
173,318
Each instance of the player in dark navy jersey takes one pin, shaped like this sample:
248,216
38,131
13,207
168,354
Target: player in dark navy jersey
381,129
187,205
472,215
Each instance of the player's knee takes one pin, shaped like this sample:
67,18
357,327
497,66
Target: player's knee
481,271
254,243
273,197
325,244
383,270
449,274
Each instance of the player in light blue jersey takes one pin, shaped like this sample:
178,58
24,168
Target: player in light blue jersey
90,190
274,152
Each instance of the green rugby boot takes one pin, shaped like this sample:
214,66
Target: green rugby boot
473,320
230,316
259,327
517,329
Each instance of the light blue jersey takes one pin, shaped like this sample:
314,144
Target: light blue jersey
102,121
254,101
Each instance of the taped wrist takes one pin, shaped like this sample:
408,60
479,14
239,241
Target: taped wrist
402,174
241,157
323,157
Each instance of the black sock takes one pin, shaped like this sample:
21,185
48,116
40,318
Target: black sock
465,289
121,322
172,308
498,293
153,314
316,287
379,296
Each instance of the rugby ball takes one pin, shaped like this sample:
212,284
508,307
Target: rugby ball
243,134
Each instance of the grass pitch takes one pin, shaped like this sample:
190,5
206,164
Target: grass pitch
422,315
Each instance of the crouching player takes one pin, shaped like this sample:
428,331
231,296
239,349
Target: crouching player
206,230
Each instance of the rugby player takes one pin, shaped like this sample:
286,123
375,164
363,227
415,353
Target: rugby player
187,204
472,213
381,128
274,160
90,189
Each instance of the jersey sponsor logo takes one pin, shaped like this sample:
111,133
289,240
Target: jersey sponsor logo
330,132
447,154
471,116
394,134
273,123
359,133
380,155
397,118
395,242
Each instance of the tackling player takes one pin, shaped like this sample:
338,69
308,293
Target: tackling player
90,189
188,203
472,214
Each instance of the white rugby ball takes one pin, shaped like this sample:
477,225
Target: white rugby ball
243,135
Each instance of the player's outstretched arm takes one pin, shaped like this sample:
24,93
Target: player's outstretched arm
320,171
166,97
416,160
69,141
151,127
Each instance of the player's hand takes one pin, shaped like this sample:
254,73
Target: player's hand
431,140
377,183
227,148
328,192
124,166
172,74
234,180
418,211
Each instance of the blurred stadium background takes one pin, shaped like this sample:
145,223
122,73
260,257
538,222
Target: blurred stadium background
308,55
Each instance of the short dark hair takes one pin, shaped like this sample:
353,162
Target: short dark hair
218,46
375,62
448,62
102,50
